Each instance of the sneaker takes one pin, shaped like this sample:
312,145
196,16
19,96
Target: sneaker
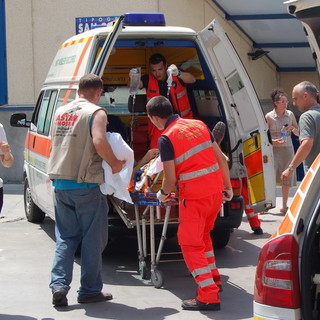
100,297
257,230
59,298
219,131
196,305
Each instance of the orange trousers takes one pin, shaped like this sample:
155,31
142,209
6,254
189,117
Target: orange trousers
197,218
252,216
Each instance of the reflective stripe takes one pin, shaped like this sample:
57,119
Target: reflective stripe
182,93
200,271
248,206
212,266
192,152
205,283
251,214
209,254
198,173
183,113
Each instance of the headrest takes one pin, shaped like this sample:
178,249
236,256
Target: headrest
139,105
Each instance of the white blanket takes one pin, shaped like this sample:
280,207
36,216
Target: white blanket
117,183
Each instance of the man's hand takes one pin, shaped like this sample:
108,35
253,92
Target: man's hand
227,195
163,197
117,166
174,70
5,147
285,175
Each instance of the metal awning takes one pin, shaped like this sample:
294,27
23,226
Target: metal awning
270,28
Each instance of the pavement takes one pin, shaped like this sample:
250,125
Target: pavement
26,254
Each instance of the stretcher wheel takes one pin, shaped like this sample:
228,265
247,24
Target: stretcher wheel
143,270
157,278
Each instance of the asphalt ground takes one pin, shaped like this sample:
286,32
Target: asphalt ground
26,255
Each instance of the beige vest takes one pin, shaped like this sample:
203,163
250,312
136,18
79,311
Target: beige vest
73,155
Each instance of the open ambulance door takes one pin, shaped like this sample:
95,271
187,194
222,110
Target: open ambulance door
107,47
245,119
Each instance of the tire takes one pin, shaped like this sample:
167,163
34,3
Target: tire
157,278
220,237
33,212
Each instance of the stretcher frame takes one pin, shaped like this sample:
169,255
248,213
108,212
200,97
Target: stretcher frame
151,205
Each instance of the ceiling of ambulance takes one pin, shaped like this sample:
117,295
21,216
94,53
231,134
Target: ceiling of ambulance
270,27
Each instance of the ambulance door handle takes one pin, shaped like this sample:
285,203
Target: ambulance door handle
34,142
255,134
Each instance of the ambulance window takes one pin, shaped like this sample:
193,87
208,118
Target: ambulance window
46,110
65,96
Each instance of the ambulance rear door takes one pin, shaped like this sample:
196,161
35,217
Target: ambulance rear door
245,119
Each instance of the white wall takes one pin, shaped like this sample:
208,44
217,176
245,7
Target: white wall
36,28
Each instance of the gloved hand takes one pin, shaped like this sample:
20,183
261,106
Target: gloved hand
227,194
162,197
174,70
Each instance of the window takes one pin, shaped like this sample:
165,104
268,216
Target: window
46,109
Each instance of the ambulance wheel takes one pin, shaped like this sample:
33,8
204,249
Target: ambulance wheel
143,270
220,237
157,278
33,212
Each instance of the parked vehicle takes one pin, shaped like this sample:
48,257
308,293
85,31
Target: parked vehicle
222,92
287,282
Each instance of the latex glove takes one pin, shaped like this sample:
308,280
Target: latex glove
174,70
227,195
161,197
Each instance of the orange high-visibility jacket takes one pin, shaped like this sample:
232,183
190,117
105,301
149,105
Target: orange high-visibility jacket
178,95
197,169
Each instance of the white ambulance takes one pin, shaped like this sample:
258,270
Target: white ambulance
222,92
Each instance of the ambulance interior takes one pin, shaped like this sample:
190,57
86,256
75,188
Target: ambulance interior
130,119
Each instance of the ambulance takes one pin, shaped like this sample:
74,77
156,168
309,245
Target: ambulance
287,282
222,92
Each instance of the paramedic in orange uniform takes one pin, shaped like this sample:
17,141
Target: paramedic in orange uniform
156,85
193,160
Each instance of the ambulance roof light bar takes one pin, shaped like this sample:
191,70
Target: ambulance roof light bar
144,19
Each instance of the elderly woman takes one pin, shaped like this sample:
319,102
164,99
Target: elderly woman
280,119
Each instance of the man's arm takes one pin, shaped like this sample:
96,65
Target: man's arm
103,148
223,165
187,77
169,176
301,154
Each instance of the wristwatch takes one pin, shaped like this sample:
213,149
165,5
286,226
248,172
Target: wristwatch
291,168
162,192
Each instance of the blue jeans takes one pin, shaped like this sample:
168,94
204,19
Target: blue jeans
81,217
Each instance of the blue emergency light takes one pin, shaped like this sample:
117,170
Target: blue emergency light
144,19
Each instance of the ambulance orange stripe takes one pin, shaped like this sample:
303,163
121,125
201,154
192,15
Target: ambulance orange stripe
42,145
286,225
76,70
315,164
295,205
306,181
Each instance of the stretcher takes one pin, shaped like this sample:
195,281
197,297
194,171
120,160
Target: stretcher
149,212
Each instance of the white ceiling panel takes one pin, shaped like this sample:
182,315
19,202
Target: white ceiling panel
270,27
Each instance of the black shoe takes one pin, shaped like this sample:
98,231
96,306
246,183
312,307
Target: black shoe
257,230
100,297
219,131
196,305
59,298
